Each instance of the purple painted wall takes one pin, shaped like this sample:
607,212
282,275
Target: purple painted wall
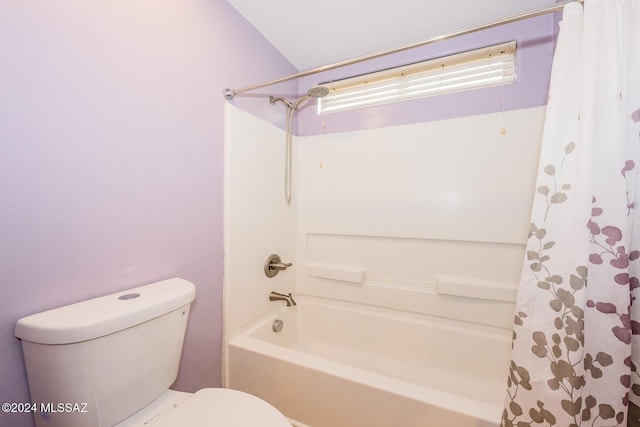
535,45
111,159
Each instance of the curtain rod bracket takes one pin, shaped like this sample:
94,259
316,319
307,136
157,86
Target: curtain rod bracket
229,94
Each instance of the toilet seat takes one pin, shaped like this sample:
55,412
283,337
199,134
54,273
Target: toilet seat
219,407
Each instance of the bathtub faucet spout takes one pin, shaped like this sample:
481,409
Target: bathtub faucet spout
288,298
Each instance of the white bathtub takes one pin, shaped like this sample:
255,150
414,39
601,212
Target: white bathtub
339,364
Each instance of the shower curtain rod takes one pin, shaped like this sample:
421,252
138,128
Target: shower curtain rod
231,93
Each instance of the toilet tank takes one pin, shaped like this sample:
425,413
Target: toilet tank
99,361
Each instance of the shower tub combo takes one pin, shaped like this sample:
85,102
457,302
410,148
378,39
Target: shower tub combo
327,363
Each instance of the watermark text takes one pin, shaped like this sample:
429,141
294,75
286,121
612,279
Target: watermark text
46,408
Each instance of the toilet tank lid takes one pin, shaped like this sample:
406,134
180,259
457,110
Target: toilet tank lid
105,315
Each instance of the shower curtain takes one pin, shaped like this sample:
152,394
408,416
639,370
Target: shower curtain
576,356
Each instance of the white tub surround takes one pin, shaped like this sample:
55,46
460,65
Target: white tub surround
429,218
408,244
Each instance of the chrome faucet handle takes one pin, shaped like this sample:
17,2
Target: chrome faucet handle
280,265
273,265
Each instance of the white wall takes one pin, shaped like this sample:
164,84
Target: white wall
257,221
429,217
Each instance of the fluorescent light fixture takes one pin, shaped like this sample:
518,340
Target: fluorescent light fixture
489,66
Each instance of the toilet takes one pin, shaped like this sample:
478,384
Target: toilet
110,361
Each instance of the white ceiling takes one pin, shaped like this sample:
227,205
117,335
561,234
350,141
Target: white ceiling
312,33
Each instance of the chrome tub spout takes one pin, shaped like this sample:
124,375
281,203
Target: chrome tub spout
288,298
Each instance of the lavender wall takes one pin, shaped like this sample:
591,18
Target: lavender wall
535,45
111,158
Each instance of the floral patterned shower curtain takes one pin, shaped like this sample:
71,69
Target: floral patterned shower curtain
576,354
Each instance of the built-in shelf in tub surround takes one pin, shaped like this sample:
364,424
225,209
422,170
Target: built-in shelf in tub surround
345,273
444,285
473,288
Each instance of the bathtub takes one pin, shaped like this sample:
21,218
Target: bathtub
338,364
